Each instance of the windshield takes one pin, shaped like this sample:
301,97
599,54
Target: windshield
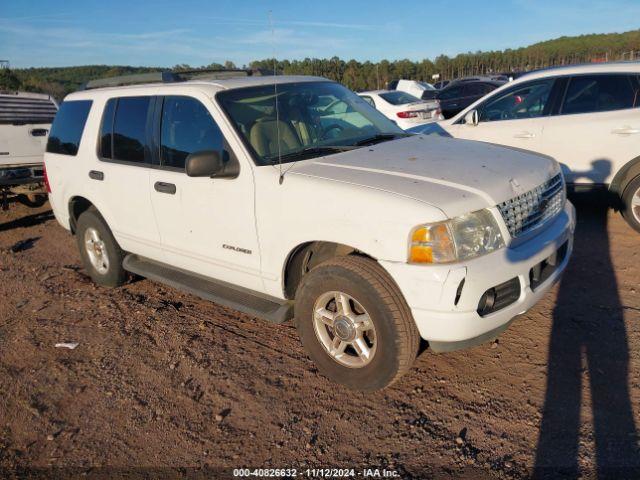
312,119
399,98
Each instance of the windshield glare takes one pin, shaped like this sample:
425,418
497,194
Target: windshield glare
310,115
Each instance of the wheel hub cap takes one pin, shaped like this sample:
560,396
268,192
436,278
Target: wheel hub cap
344,329
96,250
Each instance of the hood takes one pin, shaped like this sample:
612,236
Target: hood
453,175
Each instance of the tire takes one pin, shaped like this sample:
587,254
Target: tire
92,232
393,340
630,213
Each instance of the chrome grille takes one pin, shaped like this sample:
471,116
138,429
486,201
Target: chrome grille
531,209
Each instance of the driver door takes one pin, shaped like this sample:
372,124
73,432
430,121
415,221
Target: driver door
514,117
206,225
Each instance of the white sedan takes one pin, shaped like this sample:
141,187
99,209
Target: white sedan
403,108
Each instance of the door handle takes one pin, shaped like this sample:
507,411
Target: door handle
164,187
39,132
625,131
96,175
524,135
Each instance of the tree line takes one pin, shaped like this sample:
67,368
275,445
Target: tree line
561,51
365,75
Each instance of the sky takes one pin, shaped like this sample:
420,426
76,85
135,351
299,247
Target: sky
199,32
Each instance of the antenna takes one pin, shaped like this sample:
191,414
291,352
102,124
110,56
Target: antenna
275,93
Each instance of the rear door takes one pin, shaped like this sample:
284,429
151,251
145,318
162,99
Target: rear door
450,100
596,129
472,92
514,117
120,179
207,225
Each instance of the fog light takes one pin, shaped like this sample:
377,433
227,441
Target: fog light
487,301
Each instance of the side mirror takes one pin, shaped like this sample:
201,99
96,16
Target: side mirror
211,163
472,118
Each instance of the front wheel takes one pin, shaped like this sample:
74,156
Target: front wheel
631,204
355,324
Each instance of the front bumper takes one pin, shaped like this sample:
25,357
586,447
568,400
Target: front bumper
431,291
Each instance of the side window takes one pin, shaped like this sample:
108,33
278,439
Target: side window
106,129
130,129
598,93
487,87
369,100
473,89
527,100
187,127
450,93
67,128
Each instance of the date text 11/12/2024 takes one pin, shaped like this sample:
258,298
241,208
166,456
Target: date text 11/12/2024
316,473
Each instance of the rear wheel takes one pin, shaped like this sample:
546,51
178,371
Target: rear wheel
355,324
631,203
101,255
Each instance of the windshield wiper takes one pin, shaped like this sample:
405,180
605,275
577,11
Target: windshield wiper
381,137
309,151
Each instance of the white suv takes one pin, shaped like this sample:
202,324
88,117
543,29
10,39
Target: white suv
282,195
587,117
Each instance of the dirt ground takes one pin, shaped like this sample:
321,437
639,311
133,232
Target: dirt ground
164,385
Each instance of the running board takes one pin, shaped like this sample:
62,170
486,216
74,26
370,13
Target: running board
247,301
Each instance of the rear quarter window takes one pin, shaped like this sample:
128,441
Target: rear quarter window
67,128
599,93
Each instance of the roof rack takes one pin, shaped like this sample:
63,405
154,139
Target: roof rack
169,77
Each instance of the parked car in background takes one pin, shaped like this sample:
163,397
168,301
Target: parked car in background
403,108
511,76
421,90
308,204
25,120
459,94
587,117
441,84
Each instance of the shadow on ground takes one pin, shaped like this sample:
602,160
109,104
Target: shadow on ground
28,221
588,334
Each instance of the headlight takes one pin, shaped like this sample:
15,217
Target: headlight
460,238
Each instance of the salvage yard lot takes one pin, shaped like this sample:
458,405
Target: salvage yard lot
164,380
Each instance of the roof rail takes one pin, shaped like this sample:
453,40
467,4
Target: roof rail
152,77
168,77
213,74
